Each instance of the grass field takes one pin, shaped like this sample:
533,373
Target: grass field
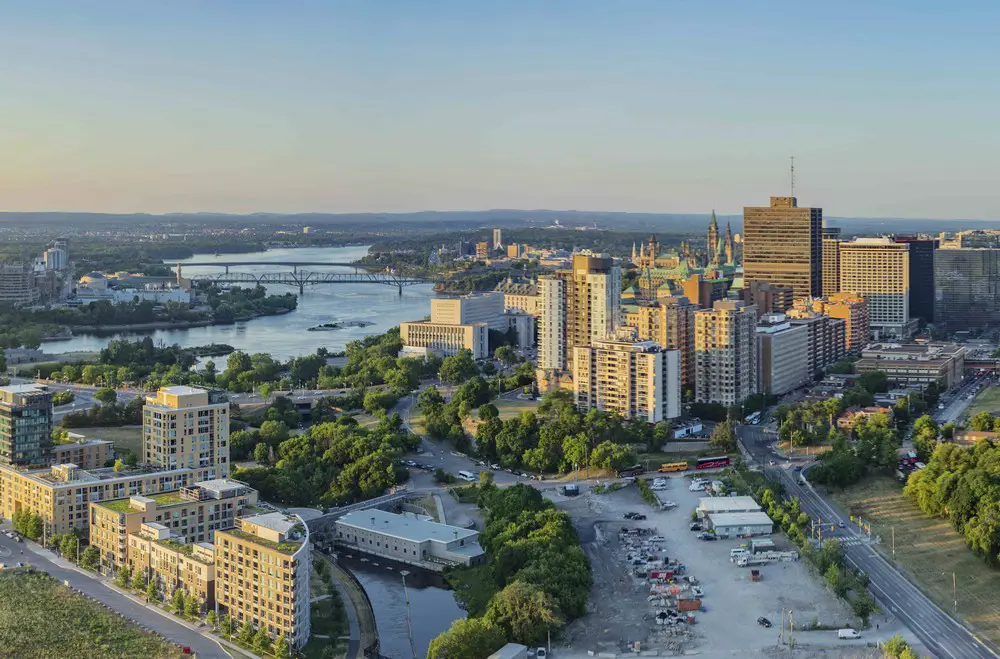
40,618
987,400
125,437
510,409
929,550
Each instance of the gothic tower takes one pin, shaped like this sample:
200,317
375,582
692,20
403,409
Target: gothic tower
713,238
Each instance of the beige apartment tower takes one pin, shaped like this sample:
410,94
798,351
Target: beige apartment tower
879,269
670,323
725,349
636,379
831,261
782,244
187,427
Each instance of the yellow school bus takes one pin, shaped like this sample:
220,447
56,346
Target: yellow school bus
672,466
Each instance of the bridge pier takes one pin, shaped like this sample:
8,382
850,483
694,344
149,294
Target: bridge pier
227,269
400,287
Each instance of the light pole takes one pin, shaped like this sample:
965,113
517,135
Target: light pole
954,589
409,628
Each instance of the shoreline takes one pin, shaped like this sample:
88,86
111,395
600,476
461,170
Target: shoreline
151,326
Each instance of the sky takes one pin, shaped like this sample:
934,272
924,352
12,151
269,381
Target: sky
673,106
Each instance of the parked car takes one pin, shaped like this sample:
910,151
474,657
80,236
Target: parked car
763,622
705,535
635,516
695,526
540,653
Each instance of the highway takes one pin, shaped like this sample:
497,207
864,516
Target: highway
935,627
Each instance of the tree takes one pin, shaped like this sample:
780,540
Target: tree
281,648
261,641
458,368
524,611
226,624
467,638
723,437
238,362
119,465
89,558
153,590
246,633
69,546
211,618
506,355
192,607
982,422
123,577
488,411
273,432
106,396
874,382
138,580
261,454
177,601
834,578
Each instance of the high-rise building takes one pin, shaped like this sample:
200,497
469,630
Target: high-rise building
497,238
25,425
827,338
922,250
669,322
578,307
482,250
782,355
703,291
967,287
782,244
767,297
725,348
262,571
636,379
831,261
851,308
879,269
187,427
17,284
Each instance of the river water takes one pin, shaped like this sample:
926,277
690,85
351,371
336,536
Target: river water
286,336
432,606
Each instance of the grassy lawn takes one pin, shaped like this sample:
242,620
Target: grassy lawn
802,451
317,584
327,618
418,423
929,550
986,400
39,617
510,409
125,437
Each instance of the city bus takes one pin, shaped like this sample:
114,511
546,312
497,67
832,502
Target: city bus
753,419
635,470
713,463
672,466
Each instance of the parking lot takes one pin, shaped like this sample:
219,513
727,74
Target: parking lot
621,613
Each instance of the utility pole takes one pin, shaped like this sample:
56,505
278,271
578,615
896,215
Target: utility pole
954,591
792,160
409,628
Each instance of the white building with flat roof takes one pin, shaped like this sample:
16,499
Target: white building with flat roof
712,505
733,525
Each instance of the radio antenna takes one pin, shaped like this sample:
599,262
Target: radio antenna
792,159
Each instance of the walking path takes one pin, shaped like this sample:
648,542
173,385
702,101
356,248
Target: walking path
360,616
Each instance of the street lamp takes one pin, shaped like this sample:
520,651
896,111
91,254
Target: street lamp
954,589
409,628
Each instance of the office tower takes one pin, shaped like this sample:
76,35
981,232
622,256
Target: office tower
967,288
274,594
25,425
578,307
782,244
922,250
712,244
669,322
879,269
473,308
782,355
831,261
186,427
725,348
767,297
636,379
497,238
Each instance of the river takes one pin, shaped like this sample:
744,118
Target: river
432,606
286,336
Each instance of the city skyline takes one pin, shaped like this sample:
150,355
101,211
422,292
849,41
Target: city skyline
654,107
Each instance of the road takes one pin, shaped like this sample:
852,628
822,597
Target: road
957,402
934,626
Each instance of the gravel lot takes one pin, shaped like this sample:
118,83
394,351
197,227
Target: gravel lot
619,611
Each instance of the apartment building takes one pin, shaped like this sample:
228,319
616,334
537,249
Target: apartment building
262,570
782,244
482,251
782,355
156,553
61,494
831,261
25,425
190,514
186,427
827,338
519,296
636,379
85,454
848,307
725,348
17,284
469,309
703,291
767,297
669,322
879,269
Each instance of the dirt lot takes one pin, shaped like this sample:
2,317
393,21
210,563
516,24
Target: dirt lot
620,612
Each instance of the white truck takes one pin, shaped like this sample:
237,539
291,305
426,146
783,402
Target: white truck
747,561
847,634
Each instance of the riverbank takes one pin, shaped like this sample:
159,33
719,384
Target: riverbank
157,325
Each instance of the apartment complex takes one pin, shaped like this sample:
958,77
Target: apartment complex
669,322
262,570
520,296
782,244
915,363
25,425
578,306
185,427
782,355
879,269
17,284
85,454
831,261
967,287
827,339
725,348
156,553
636,379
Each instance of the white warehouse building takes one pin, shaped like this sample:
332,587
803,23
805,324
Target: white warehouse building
740,525
712,505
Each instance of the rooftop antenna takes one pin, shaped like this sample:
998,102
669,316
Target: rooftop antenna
792,159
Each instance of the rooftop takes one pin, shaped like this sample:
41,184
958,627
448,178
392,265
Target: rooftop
25,388
722,504
287,547
181,390
405,527
740,519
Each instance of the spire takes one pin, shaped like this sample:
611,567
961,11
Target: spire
633,251
712,223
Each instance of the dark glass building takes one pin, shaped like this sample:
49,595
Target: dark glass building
922,251
967,288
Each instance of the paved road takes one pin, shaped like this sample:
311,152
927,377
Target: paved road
934,626
957,402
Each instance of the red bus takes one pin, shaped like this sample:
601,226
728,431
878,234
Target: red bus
712,463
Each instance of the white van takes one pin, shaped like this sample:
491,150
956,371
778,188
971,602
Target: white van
848,633
467,476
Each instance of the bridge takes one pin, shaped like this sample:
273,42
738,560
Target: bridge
296,277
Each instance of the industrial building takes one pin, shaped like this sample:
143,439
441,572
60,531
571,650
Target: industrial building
714,505
740,525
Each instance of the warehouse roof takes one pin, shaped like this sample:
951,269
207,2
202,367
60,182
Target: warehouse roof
727,504
405,527
740,519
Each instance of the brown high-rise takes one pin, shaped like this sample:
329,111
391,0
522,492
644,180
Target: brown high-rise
783,244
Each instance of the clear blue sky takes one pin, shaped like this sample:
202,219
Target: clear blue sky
890,107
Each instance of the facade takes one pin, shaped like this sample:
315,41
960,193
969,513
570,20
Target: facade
155,294
482,251
524,324
704,291
827,338
831,261
782,244
409,538
670,323
915,363
967,287
262,570
768,297
741,525
715,505
187,427
922,281
725,348
782,355
25,425
157,554
636,379
469,309
424,337
520,296
497,238
17,284
85,454
552,324
61,495
879,269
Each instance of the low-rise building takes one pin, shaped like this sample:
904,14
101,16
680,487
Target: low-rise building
740,525
421,338
971,437
85,454
409,538
158,554
715,505
915,363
